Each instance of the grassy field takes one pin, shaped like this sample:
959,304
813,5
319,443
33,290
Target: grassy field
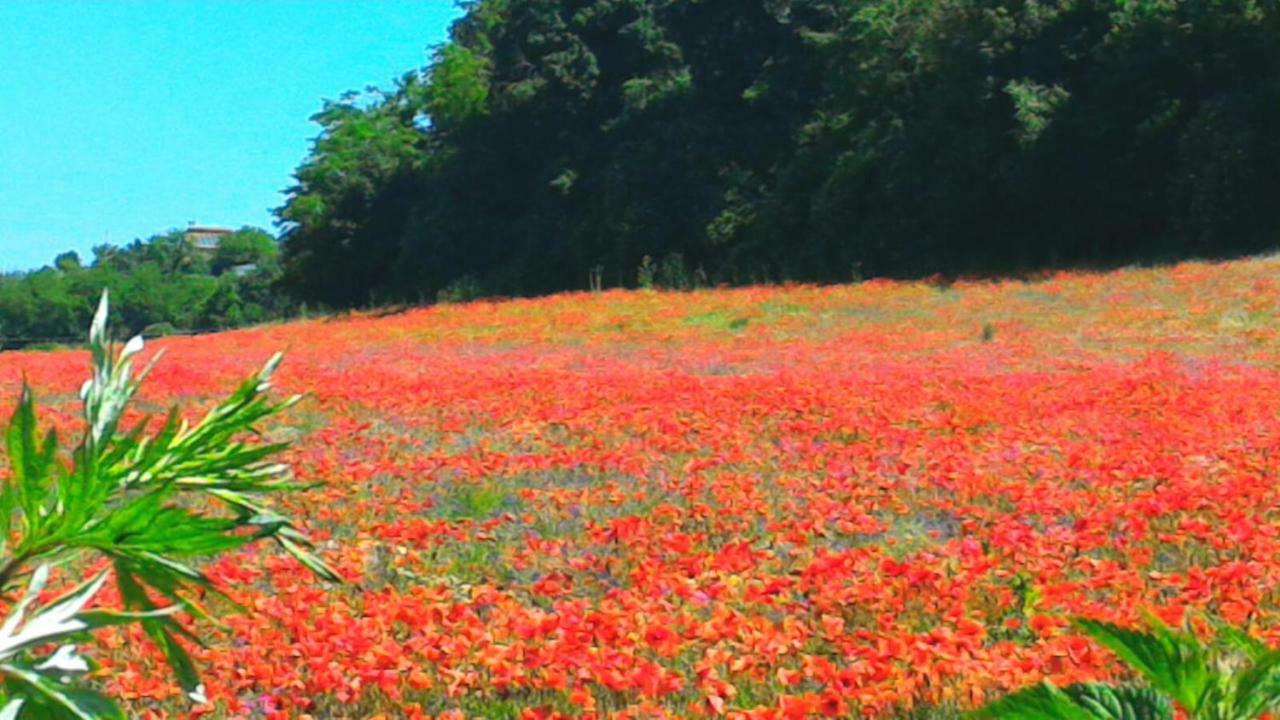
876,500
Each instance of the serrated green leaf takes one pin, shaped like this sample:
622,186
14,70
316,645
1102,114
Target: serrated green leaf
1173,663
1038,702
28,487
1108,702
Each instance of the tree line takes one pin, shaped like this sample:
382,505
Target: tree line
161,285
564,144
553,143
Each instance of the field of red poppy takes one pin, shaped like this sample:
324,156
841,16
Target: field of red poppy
875,500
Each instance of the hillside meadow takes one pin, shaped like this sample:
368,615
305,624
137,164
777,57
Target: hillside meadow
875,500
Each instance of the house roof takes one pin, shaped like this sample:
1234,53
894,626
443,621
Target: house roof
209,230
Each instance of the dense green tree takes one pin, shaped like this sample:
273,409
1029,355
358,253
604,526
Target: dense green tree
68,262
801,139
248,246
345,219
159,283
1013,135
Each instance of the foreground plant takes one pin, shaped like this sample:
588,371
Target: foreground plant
140,506
1233,677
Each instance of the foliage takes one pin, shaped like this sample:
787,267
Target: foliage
163,280
646,274
138,504
346,215
1233,678
249,248
464,289
1083,701
765,140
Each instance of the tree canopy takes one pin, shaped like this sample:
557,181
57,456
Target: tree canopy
819,140
162,284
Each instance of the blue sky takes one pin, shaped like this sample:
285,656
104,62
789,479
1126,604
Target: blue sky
122,119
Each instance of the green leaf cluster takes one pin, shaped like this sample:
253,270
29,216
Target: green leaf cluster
1232,677
151,501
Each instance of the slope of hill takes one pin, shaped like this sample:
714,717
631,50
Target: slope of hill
761,502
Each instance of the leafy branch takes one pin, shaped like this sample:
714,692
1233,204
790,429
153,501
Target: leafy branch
149,503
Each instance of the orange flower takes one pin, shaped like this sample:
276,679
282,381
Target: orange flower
850,506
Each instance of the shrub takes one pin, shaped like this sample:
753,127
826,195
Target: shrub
461,290
646,274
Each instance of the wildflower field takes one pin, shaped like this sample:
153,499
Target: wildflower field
875,500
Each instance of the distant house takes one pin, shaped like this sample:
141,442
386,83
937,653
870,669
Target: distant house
206,237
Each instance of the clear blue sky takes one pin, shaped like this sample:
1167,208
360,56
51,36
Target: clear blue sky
122,119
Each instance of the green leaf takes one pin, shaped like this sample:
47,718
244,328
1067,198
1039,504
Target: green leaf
98,328
309,560
1240,640
52,622
1083,701
11,709
184,668
28,488
1038,702
1108,702
136,575
37,689
1256,688
161,630
1173,663
149,526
